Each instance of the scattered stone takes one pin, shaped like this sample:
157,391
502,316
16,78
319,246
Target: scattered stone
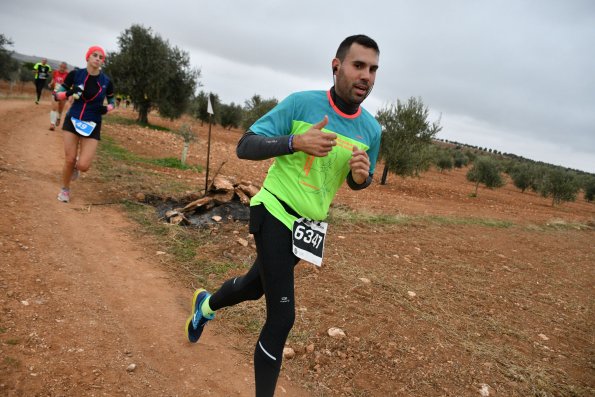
223,198
216,218
249,189
411,294
242,242
131,367
244,198
178,219
485,390
336,332
310,348
543,337
222,184
160,253
341,237
171,213
365,280
288,353
201,202
140,197
25,303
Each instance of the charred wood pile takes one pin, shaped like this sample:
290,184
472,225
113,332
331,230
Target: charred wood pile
222,191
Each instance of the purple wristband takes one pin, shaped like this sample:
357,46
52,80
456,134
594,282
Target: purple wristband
290,143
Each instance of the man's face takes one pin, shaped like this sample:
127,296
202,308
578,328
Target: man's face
356,73
44,61
63,67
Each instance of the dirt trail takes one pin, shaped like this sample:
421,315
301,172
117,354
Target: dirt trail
81,300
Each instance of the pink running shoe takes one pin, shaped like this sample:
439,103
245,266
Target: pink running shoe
64,195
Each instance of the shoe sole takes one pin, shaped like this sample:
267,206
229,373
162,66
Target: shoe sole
189,320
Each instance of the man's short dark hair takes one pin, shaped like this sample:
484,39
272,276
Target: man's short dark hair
360,39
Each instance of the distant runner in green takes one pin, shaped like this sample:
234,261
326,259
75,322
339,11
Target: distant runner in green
42,72
319,139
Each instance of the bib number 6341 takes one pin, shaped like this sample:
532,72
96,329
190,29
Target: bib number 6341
308,240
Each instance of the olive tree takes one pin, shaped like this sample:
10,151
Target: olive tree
231,115
8,65
255,108
485,170
560,185
406,137
153,73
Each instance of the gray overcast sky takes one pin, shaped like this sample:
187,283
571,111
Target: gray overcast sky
516,76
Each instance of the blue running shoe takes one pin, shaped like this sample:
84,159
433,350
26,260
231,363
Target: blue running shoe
196,322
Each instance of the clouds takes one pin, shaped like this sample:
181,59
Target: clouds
503,73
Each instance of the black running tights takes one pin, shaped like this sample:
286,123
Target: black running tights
272,275
39,84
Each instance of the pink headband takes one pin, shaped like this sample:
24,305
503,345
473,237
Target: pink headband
92,49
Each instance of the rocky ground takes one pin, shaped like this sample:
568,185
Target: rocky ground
435,293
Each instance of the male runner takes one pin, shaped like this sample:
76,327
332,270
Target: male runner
42,72
318,139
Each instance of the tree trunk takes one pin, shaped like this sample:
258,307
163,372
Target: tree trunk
185,152
476,186
384,175
143,112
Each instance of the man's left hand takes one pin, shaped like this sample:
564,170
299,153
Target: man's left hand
360,165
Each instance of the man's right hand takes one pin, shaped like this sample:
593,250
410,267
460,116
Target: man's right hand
315,142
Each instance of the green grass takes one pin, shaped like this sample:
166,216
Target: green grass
11,362
446,220
115,119
146,217
110,148
12,342
171,162
115,152
182,243
340,215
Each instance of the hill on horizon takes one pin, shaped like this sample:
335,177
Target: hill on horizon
34,59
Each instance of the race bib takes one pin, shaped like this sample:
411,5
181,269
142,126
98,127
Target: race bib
308,240
85,128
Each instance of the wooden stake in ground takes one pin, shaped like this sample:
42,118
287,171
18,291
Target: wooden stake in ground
210,112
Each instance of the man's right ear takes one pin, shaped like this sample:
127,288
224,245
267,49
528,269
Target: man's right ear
335,65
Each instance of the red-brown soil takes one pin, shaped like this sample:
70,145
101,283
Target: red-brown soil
442,295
